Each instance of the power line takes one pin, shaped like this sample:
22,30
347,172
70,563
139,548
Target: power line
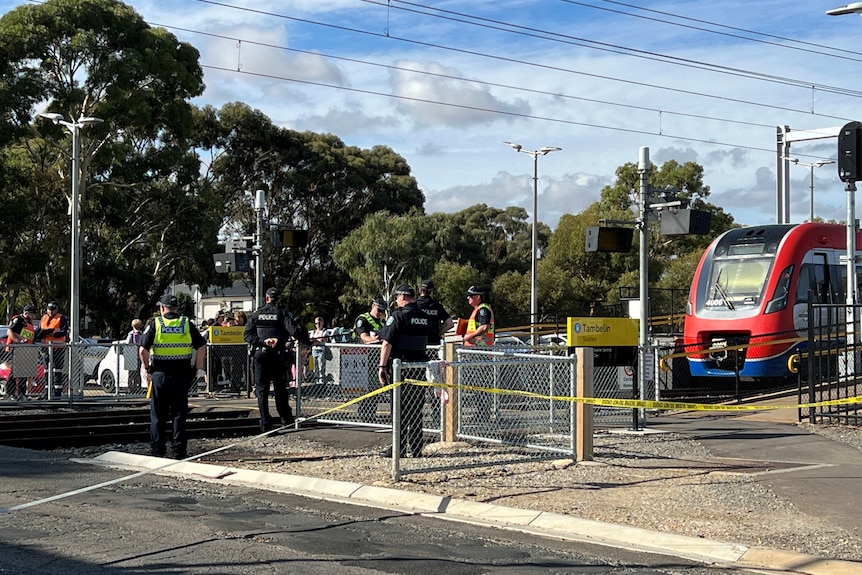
658,111
613,48
626,81
486,110
841,51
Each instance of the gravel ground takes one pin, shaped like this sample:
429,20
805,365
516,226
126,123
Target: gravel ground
664,482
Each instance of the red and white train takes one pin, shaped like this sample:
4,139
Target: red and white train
751,289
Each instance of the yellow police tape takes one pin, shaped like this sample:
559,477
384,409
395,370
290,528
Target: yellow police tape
608,402
599,401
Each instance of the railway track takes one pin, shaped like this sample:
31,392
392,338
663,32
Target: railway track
45,430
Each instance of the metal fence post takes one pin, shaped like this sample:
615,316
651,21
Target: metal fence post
396,420
300,377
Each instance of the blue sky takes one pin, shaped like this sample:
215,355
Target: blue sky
444,83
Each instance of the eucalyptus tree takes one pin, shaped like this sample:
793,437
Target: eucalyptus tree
145,217
311,181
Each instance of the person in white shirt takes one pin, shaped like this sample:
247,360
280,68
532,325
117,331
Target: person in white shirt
319,336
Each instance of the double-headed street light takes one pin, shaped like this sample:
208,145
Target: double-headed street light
75,296
544,151
817,164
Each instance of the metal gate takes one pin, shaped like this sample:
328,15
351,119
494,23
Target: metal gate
830,369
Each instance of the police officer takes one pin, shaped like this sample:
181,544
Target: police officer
439,320
480,327
267,332
367,327
172,351
404,337
368,324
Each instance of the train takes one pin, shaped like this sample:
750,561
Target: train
751,289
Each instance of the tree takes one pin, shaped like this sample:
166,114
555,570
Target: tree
401,243
311,181
571,278
143,211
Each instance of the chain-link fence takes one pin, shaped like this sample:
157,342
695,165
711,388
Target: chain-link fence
335,389
94,371
228,370
529,418
50,372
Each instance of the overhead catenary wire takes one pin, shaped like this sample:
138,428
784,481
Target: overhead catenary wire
499,25
841,53
390,36
387,35
240,41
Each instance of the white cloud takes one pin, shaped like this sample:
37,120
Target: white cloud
471,99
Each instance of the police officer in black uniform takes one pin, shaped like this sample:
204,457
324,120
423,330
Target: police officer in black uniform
439,320
404,337
267,332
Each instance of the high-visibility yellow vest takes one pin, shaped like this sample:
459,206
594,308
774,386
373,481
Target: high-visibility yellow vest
486,338
173,340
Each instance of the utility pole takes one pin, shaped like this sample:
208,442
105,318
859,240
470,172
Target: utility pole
260,210
644,170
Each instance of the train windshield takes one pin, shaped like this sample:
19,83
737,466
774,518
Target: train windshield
737,282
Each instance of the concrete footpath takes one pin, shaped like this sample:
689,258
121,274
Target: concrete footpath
816,472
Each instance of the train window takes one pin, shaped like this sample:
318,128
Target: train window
779,297
745,249
814,277
737,282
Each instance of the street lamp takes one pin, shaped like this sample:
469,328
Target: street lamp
75,297
852,8
817,164
544,151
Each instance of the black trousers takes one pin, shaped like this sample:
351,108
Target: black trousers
269,370
170,402
412,407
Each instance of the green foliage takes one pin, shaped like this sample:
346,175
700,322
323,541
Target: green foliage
144,219
311,181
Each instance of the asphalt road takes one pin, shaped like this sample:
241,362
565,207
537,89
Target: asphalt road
156,524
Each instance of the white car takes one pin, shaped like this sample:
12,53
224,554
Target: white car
554,339
92,351
120,364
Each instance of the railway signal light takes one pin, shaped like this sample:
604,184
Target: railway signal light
685,222
850,152
289,238
601,239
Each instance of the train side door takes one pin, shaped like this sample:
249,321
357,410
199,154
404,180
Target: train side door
814,281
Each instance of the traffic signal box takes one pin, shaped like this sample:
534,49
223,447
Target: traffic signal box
282,238
609,239
685,222
232,262
850,152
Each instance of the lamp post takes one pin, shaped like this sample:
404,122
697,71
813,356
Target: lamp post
260,210
817,164
544,151
75,296
852,8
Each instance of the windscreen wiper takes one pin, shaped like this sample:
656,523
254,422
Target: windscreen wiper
723,294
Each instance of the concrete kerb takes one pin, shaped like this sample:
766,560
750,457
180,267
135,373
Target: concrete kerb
545,524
